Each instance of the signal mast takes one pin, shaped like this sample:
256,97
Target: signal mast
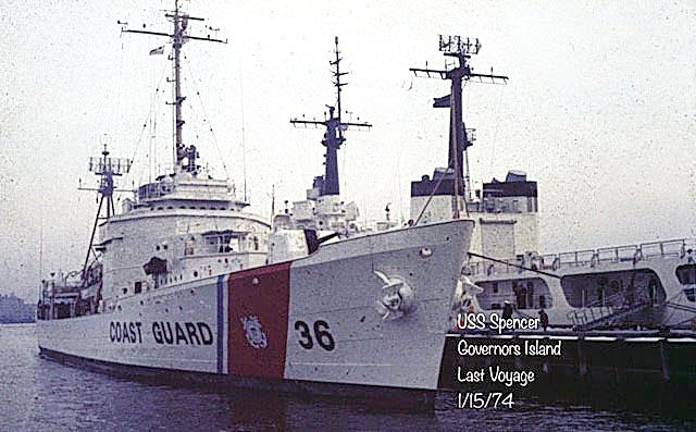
106,168
460,138
328,184
178,38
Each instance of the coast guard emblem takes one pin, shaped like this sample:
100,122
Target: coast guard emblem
254,332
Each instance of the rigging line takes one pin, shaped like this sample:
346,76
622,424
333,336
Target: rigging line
119,90
514,265
147,117
674,310
495,131
189,68
241,103
344,158
205,115
667,302
682,322
398,187
152,155
427,203
151,138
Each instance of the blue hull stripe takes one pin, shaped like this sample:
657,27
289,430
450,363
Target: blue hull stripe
220,321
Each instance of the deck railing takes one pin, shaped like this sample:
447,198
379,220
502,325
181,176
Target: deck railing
588,257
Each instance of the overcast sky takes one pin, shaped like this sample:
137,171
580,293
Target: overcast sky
600,110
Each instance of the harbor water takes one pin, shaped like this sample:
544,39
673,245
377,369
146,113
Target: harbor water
36,394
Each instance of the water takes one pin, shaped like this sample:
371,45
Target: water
37,394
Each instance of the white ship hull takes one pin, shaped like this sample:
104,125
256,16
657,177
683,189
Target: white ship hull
307,320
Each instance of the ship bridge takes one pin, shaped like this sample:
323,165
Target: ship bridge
186,190
191,227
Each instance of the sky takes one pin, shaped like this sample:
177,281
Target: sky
600,109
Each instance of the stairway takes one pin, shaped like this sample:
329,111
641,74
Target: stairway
599,314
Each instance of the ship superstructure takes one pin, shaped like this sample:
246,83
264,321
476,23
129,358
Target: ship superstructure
185,282
184,226
649,284
324,209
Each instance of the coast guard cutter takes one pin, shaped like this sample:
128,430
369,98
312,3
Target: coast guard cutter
184,282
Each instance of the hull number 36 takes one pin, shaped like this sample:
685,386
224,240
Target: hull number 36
321,335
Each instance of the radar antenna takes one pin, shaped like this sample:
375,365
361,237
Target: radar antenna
460,138
178,38
333,137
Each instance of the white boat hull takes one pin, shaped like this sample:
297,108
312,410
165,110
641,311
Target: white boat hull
308,320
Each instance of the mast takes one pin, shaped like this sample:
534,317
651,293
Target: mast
177,39
177,42
460,138
328,184
106,168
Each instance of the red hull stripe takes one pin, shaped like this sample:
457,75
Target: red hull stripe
258,321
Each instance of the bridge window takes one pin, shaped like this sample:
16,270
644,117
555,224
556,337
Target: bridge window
222,242
138,287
